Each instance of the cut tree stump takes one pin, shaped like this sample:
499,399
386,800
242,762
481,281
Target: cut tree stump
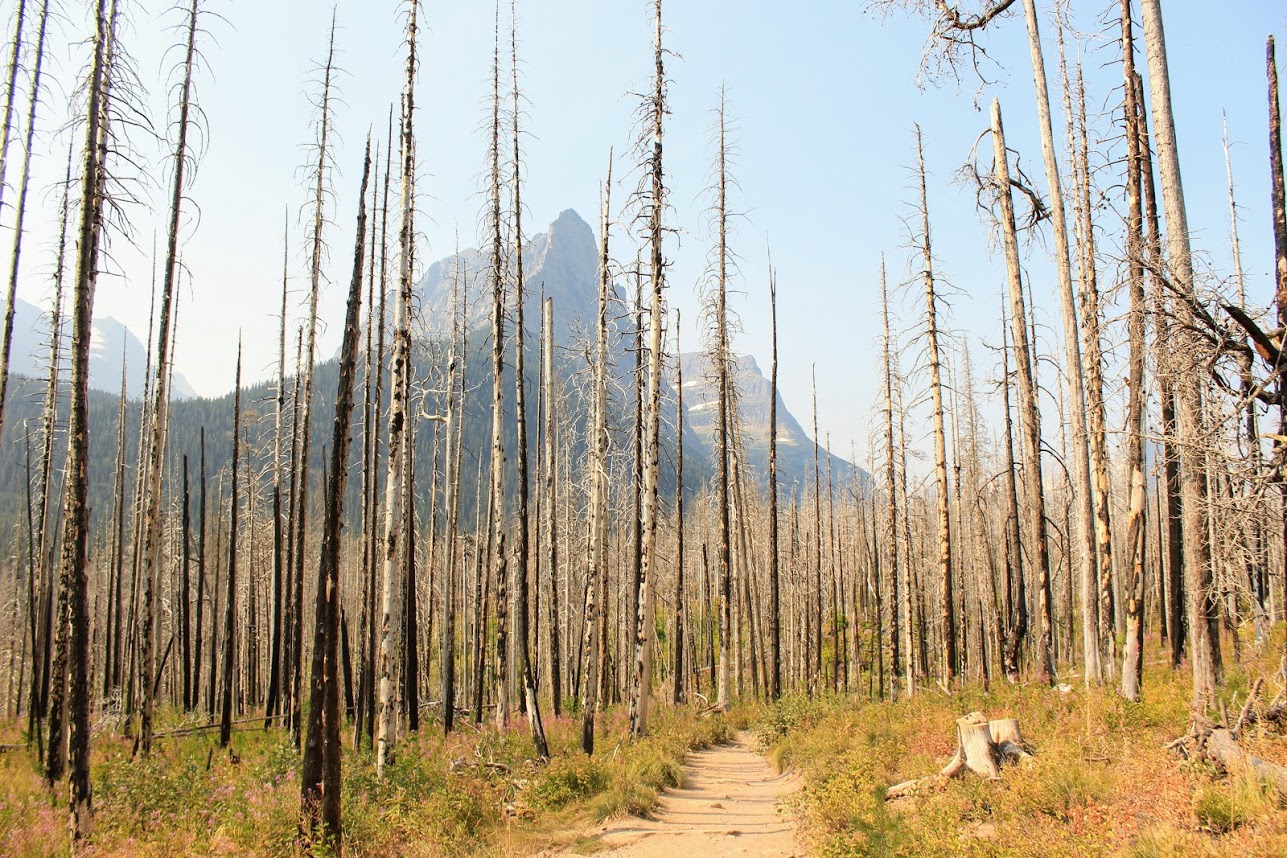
983,746
1009,741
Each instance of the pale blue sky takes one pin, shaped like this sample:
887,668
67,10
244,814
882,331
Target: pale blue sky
825,96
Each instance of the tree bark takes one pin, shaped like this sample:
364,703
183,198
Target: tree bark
948,654
596,575
1132,659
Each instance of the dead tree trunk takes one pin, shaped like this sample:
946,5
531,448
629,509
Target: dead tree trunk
499,517
320,783
1203,645
75,539
656,204
596,575
24,181
230,593
454,426
6,129
557,634
521,571
1278,194
1132,659
891,489
400,371
73,650
982,747
1027,401
948,655
161,393
680,599
1073,358
275,647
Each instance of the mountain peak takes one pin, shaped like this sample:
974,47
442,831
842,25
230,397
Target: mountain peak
568,220
562,262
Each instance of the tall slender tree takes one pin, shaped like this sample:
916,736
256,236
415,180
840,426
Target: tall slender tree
320,785
948,655
1203,642
596,575
1031,424
37,69
230,580
161,388
400,370
74,577
522,574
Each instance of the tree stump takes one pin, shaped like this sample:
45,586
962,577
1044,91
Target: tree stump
977,748
1005,733
983,746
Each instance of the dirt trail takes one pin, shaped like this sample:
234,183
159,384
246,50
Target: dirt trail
729,806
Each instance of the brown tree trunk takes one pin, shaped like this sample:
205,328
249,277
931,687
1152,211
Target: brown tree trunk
1278,195
320,782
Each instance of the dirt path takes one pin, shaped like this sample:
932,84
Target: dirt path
729,806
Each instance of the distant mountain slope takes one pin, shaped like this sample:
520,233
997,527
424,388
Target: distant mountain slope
110,344
753,391
563,263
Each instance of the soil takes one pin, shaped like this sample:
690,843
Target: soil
728,806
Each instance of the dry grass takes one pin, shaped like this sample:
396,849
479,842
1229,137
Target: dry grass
477,793
1100,782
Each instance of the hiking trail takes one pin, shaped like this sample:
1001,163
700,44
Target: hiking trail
728,806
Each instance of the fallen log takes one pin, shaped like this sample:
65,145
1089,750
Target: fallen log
983,746
1222,748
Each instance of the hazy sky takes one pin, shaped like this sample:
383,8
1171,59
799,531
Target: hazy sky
824,96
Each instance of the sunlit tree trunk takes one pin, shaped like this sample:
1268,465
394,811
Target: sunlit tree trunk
1203,643
948,655
596,591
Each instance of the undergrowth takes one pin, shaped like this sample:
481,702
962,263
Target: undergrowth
1100,781
478,792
